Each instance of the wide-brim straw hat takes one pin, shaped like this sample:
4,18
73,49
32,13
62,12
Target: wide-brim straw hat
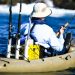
41,10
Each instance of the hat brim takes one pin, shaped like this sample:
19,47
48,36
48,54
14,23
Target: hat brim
45,13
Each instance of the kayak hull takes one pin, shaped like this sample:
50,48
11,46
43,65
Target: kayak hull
56,63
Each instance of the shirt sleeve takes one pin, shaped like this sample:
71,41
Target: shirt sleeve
54,42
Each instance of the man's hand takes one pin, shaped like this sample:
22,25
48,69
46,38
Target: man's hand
61,31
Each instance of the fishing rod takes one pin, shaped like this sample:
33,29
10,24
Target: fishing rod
66,24
10,29
28,41
18,33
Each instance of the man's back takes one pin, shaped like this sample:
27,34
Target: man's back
45,36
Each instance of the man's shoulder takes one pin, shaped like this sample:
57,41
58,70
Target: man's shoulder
25,25
47,26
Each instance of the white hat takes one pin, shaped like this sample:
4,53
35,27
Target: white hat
41,10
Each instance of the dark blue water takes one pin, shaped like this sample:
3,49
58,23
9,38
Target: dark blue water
4,29
54,22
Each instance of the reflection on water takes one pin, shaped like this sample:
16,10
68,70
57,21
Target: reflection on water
65,72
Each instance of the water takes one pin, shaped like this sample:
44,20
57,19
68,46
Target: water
54,22
4,29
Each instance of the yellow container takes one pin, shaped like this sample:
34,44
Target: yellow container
33,52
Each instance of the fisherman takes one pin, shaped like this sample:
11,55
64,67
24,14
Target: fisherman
43,34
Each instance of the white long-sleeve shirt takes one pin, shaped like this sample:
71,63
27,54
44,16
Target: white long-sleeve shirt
46,37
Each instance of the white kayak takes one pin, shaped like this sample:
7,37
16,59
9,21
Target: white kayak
56,63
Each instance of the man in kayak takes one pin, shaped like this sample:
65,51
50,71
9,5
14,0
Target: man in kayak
43,34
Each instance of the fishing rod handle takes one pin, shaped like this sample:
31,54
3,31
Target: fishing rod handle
66,25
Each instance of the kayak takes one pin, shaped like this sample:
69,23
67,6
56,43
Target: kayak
54,63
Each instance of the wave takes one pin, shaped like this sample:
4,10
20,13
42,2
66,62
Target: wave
28,8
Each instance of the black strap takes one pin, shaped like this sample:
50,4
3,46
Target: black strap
31,31
32,27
